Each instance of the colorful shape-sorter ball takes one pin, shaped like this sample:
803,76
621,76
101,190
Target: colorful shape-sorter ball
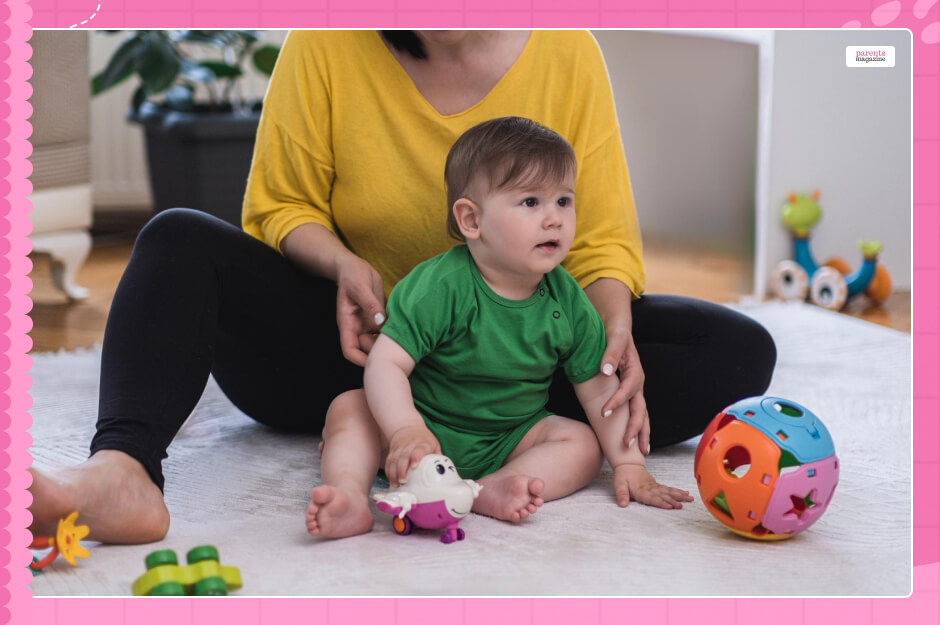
766,468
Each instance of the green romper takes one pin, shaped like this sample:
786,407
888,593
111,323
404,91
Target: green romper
484,363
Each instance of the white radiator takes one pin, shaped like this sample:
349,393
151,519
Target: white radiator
118,161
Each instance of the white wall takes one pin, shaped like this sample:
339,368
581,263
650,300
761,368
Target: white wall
687,107
687,103
847,132
118,163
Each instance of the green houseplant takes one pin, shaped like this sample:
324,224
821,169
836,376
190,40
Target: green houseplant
199,125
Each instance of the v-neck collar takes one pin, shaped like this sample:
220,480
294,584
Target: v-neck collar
411,84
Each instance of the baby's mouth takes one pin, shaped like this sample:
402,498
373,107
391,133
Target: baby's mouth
548,245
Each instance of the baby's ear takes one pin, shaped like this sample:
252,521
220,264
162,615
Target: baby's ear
467,214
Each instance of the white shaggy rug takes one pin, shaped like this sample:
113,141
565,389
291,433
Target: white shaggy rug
244,488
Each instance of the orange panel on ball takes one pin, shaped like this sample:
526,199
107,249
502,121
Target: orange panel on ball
745,496
717,423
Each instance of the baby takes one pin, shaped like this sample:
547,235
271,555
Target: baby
464,363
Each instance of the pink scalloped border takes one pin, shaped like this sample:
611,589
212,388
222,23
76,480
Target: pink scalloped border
15,304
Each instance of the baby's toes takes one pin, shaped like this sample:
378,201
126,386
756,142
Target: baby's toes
311,522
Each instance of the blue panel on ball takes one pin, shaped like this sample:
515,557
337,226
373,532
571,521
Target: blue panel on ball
793,427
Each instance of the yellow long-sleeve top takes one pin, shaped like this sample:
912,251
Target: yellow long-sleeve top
347,141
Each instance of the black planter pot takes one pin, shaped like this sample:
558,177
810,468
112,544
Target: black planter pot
199,159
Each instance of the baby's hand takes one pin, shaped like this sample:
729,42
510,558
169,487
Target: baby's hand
406,447
633,481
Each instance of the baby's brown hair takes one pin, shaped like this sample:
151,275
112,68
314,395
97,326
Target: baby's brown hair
506,151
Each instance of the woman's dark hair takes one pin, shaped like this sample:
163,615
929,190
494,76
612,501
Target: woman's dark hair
405,41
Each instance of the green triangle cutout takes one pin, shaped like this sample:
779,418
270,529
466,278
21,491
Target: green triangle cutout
721,503
787,460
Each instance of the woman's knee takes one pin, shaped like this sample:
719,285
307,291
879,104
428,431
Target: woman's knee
181,229
730,344
764,345
755,352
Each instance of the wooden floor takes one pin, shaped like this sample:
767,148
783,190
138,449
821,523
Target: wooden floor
60,324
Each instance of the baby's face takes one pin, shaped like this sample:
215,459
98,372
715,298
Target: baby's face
529,228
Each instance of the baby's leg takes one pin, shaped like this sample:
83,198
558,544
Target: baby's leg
349,458
554,459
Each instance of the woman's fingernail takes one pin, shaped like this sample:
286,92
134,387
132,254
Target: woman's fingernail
632,440
608,413
608,369
379,319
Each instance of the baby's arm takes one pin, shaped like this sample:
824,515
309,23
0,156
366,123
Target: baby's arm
389,395
631,479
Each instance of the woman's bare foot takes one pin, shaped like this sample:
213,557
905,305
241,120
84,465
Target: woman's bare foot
114,497
509,497
335,513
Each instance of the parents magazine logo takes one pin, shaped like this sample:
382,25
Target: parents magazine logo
869,56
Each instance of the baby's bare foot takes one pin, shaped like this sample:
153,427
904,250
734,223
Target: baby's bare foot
336,513
113,495
509,497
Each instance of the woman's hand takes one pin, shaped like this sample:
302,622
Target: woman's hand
360,307
360,300
622,351
406,447
613,301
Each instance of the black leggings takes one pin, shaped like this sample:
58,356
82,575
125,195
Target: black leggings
199,296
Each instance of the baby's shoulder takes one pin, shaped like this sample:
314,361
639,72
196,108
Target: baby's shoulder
443,277
451,265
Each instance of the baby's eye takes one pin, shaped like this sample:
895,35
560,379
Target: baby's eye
530,202
564,201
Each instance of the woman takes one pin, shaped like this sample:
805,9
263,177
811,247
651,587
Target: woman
347,184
